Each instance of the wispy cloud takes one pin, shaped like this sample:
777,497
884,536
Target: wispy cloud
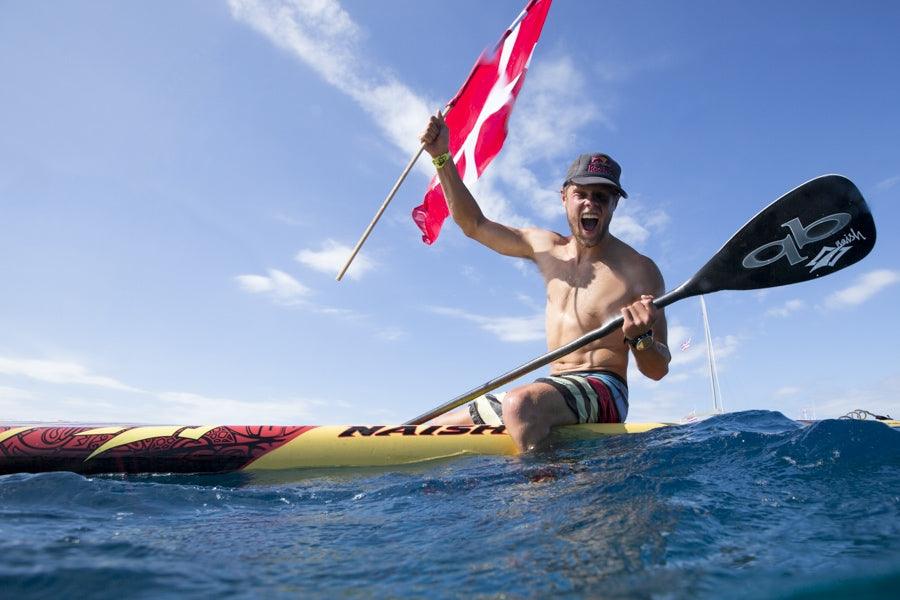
687,364
332,256
391,334
552,108
278,286
787,309
634,223
507,329
651,407
324,36
886,184
287,219
14,394
829,399
283,290
187,407
53,371
862,289
153,407
788,390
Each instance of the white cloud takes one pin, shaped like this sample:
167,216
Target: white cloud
288,219
332,256
324,36
688,364
726,346
344,314
651,407
494,203
525,267
391,334
280,287
471,273
862,289
284,290
39,404
551,108
785,310
52,371
883,186
507,329
634,223
12,394
187,407
831,400
788,390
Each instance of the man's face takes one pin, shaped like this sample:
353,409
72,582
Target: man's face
589,209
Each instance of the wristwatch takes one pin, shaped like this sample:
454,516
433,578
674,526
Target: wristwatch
641,342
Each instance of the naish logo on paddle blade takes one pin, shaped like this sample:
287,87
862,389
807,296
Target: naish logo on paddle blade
799,236
829,255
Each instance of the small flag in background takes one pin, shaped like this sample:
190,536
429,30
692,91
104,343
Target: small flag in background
480,111
686,344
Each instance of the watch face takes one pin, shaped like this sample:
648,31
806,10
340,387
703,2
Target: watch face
644,343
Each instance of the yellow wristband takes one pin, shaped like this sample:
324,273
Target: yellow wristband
441,160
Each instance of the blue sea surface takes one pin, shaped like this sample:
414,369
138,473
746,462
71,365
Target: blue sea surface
749,505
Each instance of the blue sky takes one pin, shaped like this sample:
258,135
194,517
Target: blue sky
179,183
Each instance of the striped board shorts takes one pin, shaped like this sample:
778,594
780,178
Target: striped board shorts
592,396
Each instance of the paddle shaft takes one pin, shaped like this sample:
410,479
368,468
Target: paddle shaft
679,293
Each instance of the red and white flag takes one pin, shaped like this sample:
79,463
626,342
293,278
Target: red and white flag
480,111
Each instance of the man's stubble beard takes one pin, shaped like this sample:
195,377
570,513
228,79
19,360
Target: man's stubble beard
575,229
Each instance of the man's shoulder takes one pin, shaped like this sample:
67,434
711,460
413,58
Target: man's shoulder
627,253
638,265
543,239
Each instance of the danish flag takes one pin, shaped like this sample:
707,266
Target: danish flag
479,113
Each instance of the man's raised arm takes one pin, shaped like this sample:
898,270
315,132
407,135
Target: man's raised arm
463,207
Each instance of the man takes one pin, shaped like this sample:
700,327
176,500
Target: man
590,276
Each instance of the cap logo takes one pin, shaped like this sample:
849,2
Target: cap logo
599,164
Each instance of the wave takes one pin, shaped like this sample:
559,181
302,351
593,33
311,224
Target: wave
746,504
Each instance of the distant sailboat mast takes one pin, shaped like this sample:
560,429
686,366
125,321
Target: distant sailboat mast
718,406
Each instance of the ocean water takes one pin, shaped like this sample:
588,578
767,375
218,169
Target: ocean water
748,505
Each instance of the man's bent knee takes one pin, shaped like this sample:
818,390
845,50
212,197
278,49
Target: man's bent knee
520,406
525,420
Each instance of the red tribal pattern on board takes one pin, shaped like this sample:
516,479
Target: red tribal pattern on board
138,449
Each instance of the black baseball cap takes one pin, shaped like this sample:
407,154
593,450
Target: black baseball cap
595,168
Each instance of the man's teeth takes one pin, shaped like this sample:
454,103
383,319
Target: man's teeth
589,221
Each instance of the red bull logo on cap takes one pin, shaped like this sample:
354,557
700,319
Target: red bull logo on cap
599,164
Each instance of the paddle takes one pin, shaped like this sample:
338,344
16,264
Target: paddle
814,230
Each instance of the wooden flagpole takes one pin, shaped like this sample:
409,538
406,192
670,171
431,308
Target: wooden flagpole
384,205
393,192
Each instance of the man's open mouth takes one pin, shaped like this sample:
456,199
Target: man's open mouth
589,222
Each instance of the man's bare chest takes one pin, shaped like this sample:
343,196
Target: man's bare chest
590,293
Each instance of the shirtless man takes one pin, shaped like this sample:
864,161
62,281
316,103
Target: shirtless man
590,276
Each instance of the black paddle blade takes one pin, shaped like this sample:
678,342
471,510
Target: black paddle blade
814,230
